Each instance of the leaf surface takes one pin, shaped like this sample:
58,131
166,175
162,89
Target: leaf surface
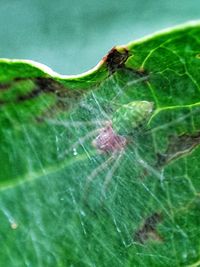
65,203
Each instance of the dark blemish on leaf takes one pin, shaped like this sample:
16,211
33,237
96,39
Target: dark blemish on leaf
4,86
198,56
34,93
48,85
148,230
65,98
178,146
2,102
115,59
42,85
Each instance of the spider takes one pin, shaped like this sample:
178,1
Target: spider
113,138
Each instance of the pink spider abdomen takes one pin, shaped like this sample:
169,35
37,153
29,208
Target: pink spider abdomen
109,141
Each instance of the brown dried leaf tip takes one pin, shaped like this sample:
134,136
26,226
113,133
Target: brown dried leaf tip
148,230
115,59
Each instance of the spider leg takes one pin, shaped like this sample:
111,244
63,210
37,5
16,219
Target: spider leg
147,167
75,123
99,169
80,141
111,172
95,172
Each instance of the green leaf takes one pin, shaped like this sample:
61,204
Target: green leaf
76,192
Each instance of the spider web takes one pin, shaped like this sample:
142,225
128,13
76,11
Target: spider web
125,192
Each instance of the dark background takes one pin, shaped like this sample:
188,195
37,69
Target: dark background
72,36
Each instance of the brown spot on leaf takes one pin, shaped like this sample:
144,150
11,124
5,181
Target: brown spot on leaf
148,229
178,146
